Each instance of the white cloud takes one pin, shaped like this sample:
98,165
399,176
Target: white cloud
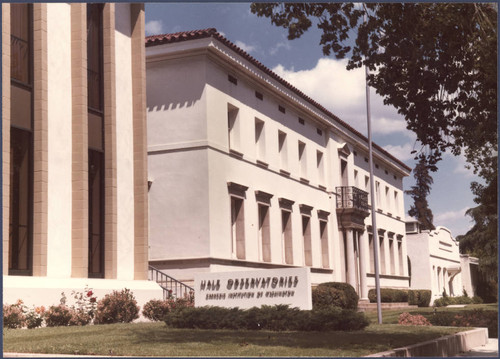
402,153
244,47
154,27
450,216
284,44
344,93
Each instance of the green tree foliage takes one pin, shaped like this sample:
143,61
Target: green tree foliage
419,192
436,63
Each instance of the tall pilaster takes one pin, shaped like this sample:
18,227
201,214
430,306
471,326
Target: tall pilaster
351,271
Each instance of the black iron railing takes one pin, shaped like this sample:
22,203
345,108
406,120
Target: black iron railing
352,197
171,286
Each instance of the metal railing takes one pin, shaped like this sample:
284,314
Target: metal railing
352,197
171,286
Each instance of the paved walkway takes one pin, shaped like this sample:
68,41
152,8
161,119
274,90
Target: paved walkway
490,349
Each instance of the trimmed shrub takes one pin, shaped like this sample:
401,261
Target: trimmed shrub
467,318
388,295
156,310
58,315
420,297
13,315
275,318
344,296
35,317
408,319
444,301
117,307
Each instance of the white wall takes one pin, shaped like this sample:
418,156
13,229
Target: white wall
59,140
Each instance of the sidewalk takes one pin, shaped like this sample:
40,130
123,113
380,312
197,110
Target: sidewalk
490,349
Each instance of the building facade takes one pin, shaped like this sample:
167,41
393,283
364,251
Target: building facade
436,263
74,151
246,171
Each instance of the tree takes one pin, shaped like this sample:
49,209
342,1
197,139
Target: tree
419,192
436,63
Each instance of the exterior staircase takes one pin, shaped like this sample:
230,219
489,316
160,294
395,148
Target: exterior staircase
171,286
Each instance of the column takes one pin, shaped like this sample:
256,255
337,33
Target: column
351,272
363,264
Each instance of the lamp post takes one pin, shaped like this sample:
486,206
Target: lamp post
372,196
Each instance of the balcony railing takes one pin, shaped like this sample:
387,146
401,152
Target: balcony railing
352,197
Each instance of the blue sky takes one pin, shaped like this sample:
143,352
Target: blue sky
301,62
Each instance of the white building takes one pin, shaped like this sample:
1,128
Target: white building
247,172
74,151
436,263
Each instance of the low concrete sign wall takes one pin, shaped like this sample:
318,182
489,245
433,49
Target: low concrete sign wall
249,289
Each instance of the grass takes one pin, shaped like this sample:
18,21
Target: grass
155,339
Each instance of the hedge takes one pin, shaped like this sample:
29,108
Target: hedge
466,318
388,295
275,318
444,301
328,294
420,297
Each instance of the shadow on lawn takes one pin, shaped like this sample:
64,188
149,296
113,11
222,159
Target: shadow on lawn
369,339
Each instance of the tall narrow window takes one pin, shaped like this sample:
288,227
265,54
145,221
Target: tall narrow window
282,149
392,255
372,255
306,235
264,232
260,139
233,127
396,203
286,232
323,232
377,194
343,173
356,179
320,166
367,189
302,159
388,206
382,255
238,227
21,141
95,88
400,255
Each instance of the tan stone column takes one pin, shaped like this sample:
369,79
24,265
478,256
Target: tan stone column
40,165
5,134
140,143
363,264
79,175
110,181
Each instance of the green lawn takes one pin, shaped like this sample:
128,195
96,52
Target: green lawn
155,339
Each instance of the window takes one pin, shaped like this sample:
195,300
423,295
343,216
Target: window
232,79
306,236
372,254
396,203
392,255
260,139
400,256
323,232
356,179
259,95
238,227
319,131
320,166
302,121
21,141
367,188
264,232
343,173
233,126
282,149
302,159
96,157
286,233
377,194
387,199
382,255
281,109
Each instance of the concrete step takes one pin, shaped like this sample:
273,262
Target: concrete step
365,306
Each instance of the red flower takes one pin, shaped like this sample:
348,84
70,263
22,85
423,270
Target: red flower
89,293
92,300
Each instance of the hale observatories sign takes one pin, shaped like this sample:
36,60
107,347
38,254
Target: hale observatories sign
249,289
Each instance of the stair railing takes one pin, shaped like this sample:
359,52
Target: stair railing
171,286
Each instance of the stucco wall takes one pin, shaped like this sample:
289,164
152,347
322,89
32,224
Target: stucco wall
59,140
